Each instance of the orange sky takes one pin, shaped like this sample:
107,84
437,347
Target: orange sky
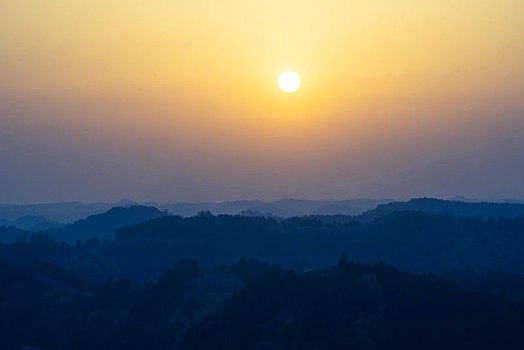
178,100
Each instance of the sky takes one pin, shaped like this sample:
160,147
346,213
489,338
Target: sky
166,100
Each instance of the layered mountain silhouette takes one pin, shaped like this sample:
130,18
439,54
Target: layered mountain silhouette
446,208
54,214
415,241
283,208
31,223
69,212
60,212
103,226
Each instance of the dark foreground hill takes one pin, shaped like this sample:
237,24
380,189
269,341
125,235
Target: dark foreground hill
251,306
103,226
355,306
447,208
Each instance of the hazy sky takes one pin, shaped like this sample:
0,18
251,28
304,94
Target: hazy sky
178,100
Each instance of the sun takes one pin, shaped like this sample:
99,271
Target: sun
289,81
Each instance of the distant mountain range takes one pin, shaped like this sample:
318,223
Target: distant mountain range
32,223
446,208
62,212
68,212
54,217
282,208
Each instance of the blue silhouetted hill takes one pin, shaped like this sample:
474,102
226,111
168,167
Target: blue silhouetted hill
103,226
484,210
413,241
31,223
355,306
252,305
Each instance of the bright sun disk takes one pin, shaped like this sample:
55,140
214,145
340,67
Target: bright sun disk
289,81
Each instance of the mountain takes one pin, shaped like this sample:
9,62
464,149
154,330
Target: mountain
103,226
69,212
45,226
33,223
62,212
252,305
355,306
350,206
190,209
283,208
447,208
415,241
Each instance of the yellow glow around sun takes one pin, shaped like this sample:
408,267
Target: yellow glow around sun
289,81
